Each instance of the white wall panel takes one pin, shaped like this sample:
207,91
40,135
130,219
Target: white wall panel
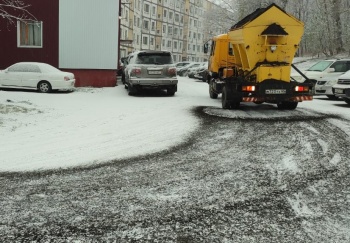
88,34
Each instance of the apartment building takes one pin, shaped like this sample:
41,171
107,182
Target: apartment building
174,25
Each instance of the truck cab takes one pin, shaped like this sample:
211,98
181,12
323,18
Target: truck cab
221,56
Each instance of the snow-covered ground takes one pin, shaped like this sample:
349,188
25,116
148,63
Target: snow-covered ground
95,125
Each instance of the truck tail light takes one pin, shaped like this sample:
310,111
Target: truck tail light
301,88
248,88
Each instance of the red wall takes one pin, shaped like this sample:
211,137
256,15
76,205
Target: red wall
94,78
43,10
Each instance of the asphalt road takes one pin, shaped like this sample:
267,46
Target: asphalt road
236,179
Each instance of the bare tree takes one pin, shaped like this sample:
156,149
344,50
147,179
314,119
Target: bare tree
336,10
13,10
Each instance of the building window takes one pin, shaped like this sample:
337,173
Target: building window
153,10
153,28
145,40
170,30
30,34
146,24
138,22
177,17
164,28
146,8
151,41
126,14
164,14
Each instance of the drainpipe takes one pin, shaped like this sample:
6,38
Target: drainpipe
119,20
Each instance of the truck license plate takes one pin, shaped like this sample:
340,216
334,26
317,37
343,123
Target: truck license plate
338,91
154,72
275,91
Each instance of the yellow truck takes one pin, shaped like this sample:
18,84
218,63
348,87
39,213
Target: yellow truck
252,62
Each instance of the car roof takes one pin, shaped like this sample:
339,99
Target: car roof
39,63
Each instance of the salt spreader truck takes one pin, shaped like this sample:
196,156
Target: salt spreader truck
252,62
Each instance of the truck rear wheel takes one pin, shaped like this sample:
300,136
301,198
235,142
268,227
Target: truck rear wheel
227,103
212,94
224,102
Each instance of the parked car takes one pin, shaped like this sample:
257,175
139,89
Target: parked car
202,71
326,73
193,70
183,71
342,88
150,70
36,76
181,64
123,62
121,66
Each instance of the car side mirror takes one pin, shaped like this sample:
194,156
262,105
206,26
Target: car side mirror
330,70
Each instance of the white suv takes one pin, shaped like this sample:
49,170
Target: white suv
150,70
326,72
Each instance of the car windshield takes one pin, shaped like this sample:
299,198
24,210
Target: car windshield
320,66
154,58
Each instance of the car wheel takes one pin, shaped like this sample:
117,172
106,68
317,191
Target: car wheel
347,101
44,87
170,91
132,90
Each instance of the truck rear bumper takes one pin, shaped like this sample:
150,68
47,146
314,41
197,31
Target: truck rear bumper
299,98
273,91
